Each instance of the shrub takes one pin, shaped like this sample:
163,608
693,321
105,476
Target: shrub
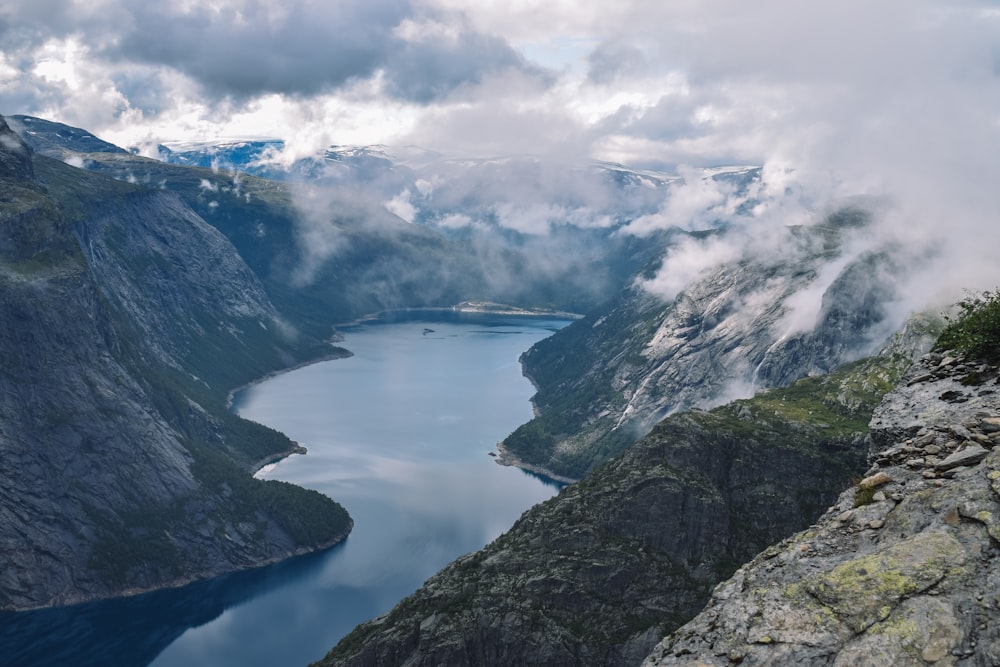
975,331
864,497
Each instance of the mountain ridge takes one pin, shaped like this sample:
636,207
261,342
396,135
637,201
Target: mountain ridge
607,379
595,574
899,570
123,471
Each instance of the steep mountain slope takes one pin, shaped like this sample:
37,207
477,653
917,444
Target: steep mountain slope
58,140
594,575
606,379
123,471
326,265
901,570
534,231
359,230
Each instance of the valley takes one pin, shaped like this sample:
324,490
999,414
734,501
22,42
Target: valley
710,397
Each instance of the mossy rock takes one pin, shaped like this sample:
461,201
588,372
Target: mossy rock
865,590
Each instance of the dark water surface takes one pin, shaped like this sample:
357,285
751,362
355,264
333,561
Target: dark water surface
400,435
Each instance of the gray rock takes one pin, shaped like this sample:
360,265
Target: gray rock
961,431
922,589
651,357
971,454
591,576
990,424
107,293
15,156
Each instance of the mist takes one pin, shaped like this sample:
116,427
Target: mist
893,104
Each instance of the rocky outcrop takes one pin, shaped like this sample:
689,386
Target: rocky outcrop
900,570
57,140
605,380
593,575
122,470
15,156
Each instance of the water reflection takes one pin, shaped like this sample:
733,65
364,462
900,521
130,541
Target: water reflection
399,434
133,631
554,484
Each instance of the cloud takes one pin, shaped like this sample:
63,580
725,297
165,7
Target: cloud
434,59
612,60
896,99
246,48
249,48
401,206
690,260
698,201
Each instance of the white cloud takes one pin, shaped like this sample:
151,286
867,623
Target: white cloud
421,31
401,206
454,221
896,99
689,260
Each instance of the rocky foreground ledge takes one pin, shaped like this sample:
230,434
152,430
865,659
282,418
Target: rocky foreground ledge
902,569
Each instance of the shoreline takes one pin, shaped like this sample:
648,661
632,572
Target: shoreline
182,581
467,307
470,307
341,353
505,458
535,410
277,457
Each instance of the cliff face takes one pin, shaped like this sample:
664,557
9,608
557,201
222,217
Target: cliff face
122,470
594,575
605,380
901,570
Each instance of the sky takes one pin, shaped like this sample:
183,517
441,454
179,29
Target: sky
897,100
642,82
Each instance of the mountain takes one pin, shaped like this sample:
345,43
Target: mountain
524,230
128,320
357,230
58,140
144,290
901,569
324,260
152,294
596,575
802,303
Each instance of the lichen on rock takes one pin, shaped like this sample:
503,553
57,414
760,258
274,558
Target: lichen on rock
920,589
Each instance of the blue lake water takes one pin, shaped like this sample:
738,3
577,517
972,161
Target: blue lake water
400,434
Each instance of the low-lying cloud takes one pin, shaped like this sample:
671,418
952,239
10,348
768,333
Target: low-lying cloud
894,101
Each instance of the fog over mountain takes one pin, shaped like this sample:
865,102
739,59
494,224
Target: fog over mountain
894,102
734,196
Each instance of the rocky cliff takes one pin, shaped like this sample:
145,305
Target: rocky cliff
126,321
901,569
327,250
740,326
592,576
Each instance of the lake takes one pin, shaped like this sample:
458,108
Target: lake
401,435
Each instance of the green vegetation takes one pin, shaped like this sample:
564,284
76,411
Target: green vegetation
309,517
185,369
137,545
141,545
864,496
975,331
